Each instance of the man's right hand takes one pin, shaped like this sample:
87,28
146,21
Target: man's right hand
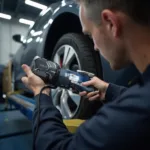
33,82
101,87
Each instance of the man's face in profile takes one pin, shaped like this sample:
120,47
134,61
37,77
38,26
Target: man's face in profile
106,37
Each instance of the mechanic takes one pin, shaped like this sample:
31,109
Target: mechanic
120,30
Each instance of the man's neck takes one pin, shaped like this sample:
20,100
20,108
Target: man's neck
139,48
141,57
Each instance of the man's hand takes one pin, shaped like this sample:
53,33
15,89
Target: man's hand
33,82
101,87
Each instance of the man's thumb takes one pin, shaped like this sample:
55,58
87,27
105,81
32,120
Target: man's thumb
27,70
88,83
24,80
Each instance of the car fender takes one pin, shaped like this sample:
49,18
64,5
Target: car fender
57,10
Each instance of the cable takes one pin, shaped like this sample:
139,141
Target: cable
38,115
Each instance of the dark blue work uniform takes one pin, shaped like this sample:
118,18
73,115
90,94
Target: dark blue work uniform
123,123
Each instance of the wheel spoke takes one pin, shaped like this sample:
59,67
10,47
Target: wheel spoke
65,101
56,96
57,59
65,110
68,56
75,98
66,52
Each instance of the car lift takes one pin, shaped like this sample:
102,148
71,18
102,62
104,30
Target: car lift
26,106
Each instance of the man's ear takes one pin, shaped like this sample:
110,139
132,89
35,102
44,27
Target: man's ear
111,22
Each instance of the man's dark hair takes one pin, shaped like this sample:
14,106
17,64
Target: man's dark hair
137,10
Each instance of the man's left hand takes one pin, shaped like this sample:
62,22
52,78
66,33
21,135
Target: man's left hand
33,82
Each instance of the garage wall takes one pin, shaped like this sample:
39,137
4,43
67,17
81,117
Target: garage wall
7,45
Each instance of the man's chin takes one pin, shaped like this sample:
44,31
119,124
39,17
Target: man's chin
116,67
119,66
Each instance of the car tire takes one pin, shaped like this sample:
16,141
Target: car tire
89,61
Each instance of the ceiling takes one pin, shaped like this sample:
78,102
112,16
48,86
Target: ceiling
18,8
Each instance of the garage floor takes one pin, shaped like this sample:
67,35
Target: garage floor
15,131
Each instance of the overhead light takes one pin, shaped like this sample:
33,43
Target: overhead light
47,24
25,21
35,4
38,39
5,16
37,33
32,31
22,38
63,3
24,41
41,40
50,21
29,40
44,11
56,10
4,96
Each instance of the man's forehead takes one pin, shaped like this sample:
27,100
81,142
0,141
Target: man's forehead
81,9
84,21
82,15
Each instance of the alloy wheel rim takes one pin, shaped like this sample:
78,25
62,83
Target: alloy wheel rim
65,101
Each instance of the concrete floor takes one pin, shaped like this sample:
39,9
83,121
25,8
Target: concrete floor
15,131
21,142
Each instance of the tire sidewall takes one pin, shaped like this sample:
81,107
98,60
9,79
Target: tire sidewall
68,40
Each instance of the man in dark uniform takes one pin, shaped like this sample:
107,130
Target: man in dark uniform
120,30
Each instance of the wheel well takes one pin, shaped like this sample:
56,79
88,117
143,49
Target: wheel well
63,24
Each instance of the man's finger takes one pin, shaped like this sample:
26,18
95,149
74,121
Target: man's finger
25,80
93,81
27,70
82,93
88,83
96,97
92,94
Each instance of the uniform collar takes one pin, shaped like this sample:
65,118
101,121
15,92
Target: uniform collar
141,78
145,76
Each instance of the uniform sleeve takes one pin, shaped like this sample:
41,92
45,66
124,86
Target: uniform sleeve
115,126
113,92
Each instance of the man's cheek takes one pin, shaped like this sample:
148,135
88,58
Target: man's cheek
97,45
